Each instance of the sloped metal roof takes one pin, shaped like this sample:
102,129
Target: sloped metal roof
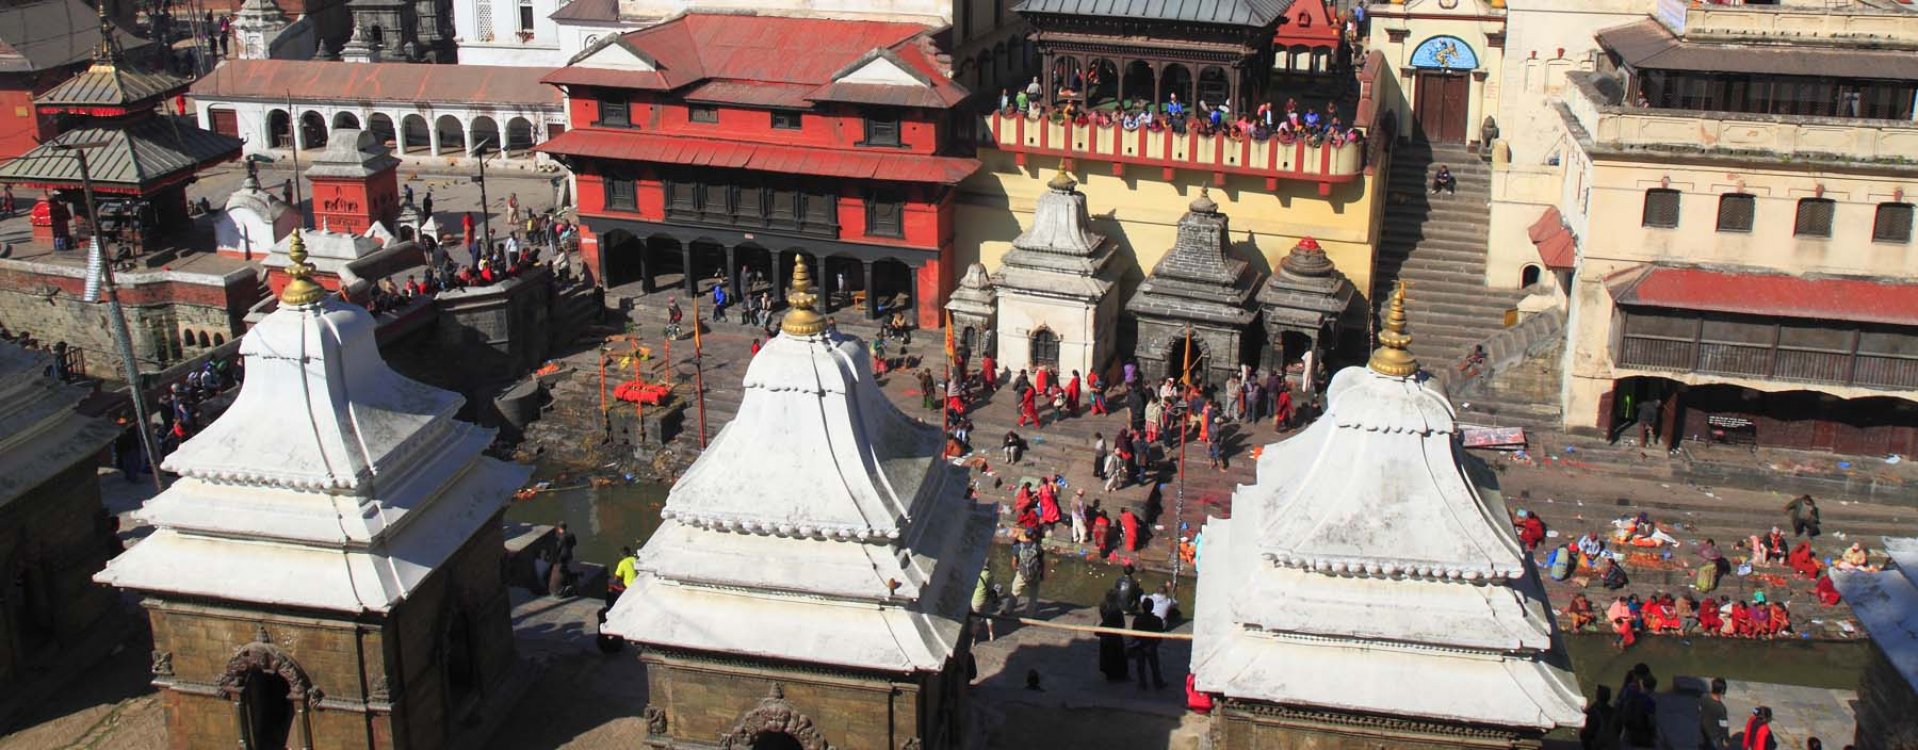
52,34
111,86
140,154
763,157
1865,300
1225,12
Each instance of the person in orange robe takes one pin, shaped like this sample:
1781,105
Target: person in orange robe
1101,531
1049,502
1029,407
1620,616
1741,624
1072,394
1803,561
1780,619
989,373
1129,524
1042,380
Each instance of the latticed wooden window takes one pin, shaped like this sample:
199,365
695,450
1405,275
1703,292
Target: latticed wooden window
1735,211
1814,217
1893,223
1045,348
1661,208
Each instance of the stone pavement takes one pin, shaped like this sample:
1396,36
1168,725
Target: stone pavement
1798,713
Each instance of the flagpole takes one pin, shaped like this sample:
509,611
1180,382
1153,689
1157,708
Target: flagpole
1178,504
945,414
699,373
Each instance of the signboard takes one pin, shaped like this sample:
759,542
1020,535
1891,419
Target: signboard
1444,53
1493,437
1672,14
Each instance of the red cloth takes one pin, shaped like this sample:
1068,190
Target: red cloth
1803,561
1531,532
1100,528
1022,499
1072,396
1284,409
1827,593
1029,407
989,371
1708,617
1741,620
1196,701
1049,503
1130,524
1042,379
1757,736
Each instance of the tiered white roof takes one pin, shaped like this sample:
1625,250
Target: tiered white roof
1059,255
332,483
1368,552
821,525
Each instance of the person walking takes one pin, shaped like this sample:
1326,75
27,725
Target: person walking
1145,648
1029,406
1115,472
1096,391
1099,455
1804,516
1029,555
1129,524
1112,652
1714,726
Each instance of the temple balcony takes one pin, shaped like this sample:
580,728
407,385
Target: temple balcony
1592,107
1101,136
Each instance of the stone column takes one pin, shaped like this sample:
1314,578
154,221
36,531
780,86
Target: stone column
432,135
732,272
686,268
872,295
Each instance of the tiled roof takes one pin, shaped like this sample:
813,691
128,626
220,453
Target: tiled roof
704,152
116,85
1556,246
1309,23
311,80
52,34
140,154
1227,12
1830,298
771,50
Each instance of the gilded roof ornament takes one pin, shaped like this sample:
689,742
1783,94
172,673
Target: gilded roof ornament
1392,358
300,287
1062,182
801,319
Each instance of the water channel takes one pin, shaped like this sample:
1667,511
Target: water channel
609,517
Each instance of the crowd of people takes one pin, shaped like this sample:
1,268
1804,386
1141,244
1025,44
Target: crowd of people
1288,123
1631,719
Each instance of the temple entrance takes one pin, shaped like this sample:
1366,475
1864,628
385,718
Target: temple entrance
266,711
456,653
1645,410
1443,104
776,741
622,257
1185,361
893,282
1292,348
279,129
1045,349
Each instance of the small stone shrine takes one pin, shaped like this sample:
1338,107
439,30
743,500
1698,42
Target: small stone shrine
1197,293
809,585
1303,304
54,534
1369,591
974,308
325,572
1056,306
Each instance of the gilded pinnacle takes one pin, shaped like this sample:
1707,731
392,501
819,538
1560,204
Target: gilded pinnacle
1062,182
300,287
801,319
1393,358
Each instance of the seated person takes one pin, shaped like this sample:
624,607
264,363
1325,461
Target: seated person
1614,577
1579,614
1442,180
1803,561
1708,619
1855,558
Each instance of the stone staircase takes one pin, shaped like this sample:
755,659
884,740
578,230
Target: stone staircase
1437,242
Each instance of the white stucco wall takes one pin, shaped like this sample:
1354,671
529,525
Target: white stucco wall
1086,332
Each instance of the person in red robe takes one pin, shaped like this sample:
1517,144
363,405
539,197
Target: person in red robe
1029,407
1758,731
1022,499
1780,620
1741,620
1531,530
1049,502
1658,617
1282,411
1072,394
1827,593
1042,379
1129,524
1708,620
989,373
1097,392
1620,616
1803,561
1101,531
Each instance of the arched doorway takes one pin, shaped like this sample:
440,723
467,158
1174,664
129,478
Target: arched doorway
28,611
622,257
1185,361
1176,83
486,133
382,127
1140,84
753,269
845,282
1528,277
892,281
279,129
709,264
519,135
1102,83
1045,349
265,710
416,135
313,129
271,690
776,741
664,259
1215,88
346,120
452,136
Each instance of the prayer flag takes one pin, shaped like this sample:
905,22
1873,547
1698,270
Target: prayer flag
952,348
1185,369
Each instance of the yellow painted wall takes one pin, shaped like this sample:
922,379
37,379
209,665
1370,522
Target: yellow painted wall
1141,212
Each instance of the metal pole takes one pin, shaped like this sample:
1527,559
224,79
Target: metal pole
293,125
699,373
486,219
1178,504
117,317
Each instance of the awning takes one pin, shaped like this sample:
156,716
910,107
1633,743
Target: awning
1828,298
1557,248
707,152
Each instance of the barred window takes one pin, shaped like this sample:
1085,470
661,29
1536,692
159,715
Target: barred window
702,113
884,214
622,193
1661,208
1893,223
1735,212
1814,217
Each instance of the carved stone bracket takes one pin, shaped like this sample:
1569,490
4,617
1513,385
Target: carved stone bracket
655,720
774,716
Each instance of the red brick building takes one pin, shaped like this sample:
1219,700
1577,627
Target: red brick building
719,144
42,44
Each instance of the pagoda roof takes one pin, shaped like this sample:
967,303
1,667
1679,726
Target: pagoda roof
41,434
132,159
1372,547
52,34
1199,280
1225,12
331,483
822,508
1059,255
113,86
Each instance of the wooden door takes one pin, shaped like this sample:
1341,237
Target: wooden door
1443,105
225,121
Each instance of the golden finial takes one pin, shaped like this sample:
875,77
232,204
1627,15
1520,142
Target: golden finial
106,53
300,287
1392,357
1062,182
801,319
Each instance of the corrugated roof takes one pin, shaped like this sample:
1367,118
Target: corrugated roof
788,50
1649,45
406,83
752,94
1226,12
140,154
704,152
52,34
1829,298
114,85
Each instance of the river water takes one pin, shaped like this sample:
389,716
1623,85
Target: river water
609,517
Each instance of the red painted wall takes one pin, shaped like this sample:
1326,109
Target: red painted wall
344,205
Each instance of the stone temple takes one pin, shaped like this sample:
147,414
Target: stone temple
809,585
1369,590
325,573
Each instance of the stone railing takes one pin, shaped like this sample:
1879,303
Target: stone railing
1729,133
1858,25
1325,159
